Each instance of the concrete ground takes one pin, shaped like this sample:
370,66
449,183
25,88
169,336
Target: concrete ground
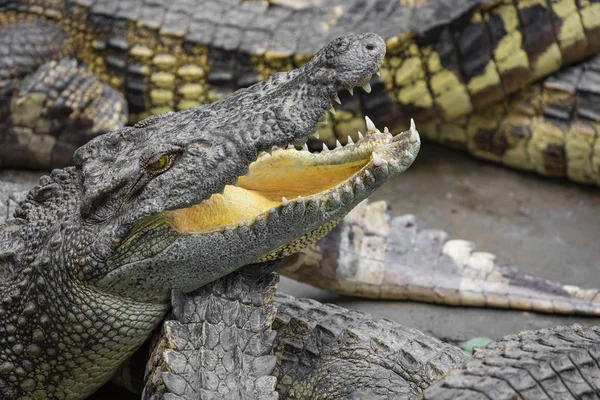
548,227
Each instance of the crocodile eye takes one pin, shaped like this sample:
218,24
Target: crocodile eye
163,163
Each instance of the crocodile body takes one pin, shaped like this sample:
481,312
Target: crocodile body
462,69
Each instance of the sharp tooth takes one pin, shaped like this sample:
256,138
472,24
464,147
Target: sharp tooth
414,135
285,202
332,110
290,147
370,124
337,99
351,90
316,134
305,147
274,148
360,136
272,210
299,199
337,144
325,148
235,182
377,161
378,73
386,131
350,141
367,87
262,154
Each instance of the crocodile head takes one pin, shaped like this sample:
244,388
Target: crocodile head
181,199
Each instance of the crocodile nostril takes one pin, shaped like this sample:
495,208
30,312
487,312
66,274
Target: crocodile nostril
370,46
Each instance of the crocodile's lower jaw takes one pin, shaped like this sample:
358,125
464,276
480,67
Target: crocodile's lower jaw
327,180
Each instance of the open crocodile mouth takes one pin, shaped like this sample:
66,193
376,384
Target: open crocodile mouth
286,177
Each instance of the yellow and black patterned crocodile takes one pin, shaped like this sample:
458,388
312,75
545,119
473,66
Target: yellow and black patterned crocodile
486,76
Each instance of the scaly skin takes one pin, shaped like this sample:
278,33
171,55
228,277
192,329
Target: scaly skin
94,251
217,346
559,363
217,342
448,62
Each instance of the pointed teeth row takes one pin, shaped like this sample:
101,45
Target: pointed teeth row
367,87
285,202
332,110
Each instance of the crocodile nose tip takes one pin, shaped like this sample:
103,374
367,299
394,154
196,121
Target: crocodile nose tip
373,44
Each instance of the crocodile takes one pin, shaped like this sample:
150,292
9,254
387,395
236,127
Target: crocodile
94,250
96,254
491,77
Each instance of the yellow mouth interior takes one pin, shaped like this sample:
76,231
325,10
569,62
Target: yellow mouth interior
286,173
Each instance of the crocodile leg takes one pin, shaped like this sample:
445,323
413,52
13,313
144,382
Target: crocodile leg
217,343
49,108
560,363
370,254
326,351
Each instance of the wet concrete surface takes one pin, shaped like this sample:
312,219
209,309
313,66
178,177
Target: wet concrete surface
548,227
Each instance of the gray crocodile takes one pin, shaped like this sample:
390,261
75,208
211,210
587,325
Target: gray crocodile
148,217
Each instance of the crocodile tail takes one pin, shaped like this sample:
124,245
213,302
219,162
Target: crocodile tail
372,255
557,363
